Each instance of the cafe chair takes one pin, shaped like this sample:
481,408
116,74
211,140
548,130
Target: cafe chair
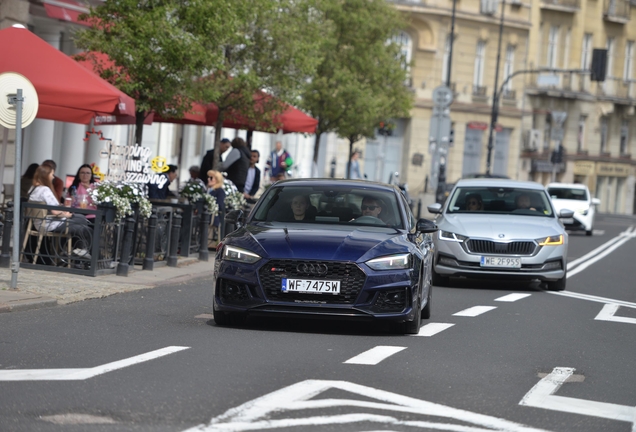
41,233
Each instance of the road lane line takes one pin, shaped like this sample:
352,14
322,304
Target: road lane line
474,311
512,297
593,298
607,314
375,355
627,234
432,329
602,255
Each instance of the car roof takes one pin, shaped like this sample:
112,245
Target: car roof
493,182
313,182
567,185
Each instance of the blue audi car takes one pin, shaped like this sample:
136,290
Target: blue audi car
326,248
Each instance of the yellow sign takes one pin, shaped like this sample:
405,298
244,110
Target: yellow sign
583,168
612,169
158,164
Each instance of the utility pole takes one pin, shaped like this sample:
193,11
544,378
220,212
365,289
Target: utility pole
495,93
450,51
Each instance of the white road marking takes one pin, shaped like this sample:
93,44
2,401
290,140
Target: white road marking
257,414
593,255
542,396
598,232
432,329
474,311
82,374
592,298
607,314
375,355
512,297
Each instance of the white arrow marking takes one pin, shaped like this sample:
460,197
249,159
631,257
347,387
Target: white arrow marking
375,355
512,297
255,414
607,314
433,328
82,374
542,396
474,311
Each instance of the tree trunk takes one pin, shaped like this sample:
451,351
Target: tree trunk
140,116
314,168
348,173
217,139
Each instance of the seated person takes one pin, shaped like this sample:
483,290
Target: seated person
215,188
522,202
371,206
300,206
474,202
78,192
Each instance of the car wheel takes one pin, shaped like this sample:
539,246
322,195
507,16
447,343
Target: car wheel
220,318
588,232
558,285
437,279
413,327
426,312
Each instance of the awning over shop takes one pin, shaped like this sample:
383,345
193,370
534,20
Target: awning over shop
65,10
66,90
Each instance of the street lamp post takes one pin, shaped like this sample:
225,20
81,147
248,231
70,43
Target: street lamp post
495,94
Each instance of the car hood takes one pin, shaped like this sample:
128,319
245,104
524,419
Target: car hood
304,241
574,205
505,227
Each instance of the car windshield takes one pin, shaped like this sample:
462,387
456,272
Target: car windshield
329,205
568,193
500,200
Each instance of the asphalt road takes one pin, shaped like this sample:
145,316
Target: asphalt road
502,366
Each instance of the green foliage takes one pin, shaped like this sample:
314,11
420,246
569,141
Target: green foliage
361,79
194,191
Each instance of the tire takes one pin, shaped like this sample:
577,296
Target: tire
413,327
588,233
437,279
220,318
558,285
426,312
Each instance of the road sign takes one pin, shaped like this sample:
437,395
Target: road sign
442,96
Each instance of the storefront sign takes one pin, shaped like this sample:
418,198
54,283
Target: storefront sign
546,166
612,169
133,164
585,168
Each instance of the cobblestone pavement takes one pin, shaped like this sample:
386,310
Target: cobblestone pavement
39,288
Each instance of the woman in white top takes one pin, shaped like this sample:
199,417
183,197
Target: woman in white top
42,191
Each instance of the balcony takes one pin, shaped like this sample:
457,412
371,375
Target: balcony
571,6
480,93
617,90
617,11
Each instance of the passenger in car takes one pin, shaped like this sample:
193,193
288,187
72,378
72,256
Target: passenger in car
300,205
474,202
523,202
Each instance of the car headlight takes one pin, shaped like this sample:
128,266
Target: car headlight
583,210
554,240
232,253
449,236
391,262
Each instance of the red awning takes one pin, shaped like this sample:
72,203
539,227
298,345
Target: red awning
66,90
65,10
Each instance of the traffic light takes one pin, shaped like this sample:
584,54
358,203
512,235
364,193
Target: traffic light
599,65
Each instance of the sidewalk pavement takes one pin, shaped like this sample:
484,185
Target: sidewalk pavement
41,288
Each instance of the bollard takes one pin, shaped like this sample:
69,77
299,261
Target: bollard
129,227
5,256
174,238
149,259
205,227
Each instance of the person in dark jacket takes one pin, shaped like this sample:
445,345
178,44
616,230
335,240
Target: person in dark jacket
253,181
208,160
236,163
160,191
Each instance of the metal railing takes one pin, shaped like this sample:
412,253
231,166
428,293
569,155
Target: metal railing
617,10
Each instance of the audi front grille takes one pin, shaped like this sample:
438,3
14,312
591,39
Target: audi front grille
501,248
349,274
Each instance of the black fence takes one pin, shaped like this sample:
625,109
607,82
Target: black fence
96,242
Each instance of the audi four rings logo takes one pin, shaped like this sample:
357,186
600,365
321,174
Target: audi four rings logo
314,269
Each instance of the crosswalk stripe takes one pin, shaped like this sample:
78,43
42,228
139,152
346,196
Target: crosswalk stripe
512,297
474,311
431,329
375,355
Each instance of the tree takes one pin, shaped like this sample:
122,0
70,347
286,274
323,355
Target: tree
157,49
360,80
266,61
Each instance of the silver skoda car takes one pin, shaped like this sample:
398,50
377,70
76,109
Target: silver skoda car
497,228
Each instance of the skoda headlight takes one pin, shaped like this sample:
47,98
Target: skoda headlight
232,253
554,240
450,236
583,210
391,262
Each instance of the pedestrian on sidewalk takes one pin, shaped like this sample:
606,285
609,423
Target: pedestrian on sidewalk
279,162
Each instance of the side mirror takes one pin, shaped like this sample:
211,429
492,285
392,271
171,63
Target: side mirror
566,213
434,208
235,217
426,226
596,201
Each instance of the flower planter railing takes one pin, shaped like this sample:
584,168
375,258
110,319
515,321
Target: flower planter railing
161,230
188,241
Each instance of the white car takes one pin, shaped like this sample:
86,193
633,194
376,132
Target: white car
575,197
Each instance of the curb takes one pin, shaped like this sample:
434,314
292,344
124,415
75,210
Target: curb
23,305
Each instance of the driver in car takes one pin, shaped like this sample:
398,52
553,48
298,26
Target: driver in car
371,207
